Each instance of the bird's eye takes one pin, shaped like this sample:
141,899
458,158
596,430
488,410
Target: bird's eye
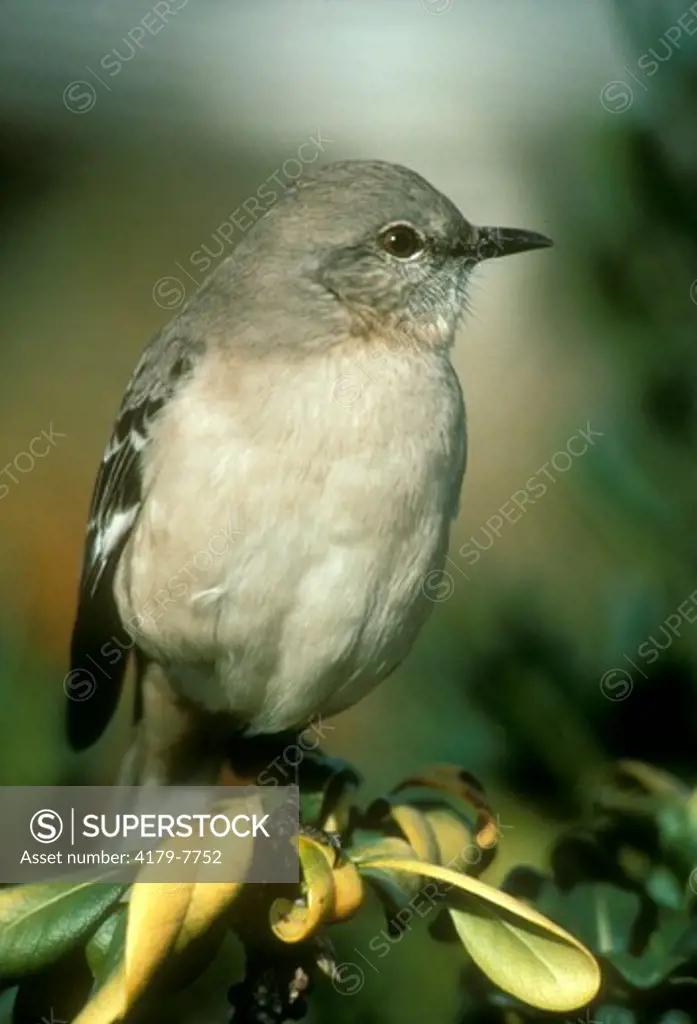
402,241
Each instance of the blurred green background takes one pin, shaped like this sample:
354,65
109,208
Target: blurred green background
562,636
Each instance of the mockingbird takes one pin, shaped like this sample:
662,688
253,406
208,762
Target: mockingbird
283,473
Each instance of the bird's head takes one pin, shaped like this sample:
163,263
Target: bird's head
360,247
388,246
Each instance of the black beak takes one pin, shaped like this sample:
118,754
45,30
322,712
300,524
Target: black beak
493,242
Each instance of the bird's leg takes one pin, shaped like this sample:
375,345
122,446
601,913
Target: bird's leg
177,744
172,745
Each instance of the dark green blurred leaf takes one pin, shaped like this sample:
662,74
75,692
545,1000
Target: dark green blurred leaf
56,994
659,959
678,833
675,1017
40,923
663,887
609,1013
7,999
325,782
599,915
106,947
686,944
525,883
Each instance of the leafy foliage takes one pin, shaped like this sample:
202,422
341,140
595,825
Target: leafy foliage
427,840
626,886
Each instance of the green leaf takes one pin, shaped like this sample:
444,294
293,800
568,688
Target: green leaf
678,834
394,890
610,1013
664,888
369,849
106,947
518,949
686,943
599,915
523,958
40,923
7,999
681,993
660,958
367,846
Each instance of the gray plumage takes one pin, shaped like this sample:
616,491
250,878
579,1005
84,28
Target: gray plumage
285,467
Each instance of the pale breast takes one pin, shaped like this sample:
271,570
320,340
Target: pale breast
282,546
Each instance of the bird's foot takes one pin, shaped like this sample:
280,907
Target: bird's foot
328,839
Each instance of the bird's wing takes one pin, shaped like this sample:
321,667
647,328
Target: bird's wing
100,643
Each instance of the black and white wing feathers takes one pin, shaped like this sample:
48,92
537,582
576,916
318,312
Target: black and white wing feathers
100,642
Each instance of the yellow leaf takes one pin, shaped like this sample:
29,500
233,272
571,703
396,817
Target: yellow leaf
348,891
652,780
109,1004
163,920
347,885
391,848
338,816
417,830
293,921
451,779
453,838
208,901
379,848
521,951
468,794
156,914
165,916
